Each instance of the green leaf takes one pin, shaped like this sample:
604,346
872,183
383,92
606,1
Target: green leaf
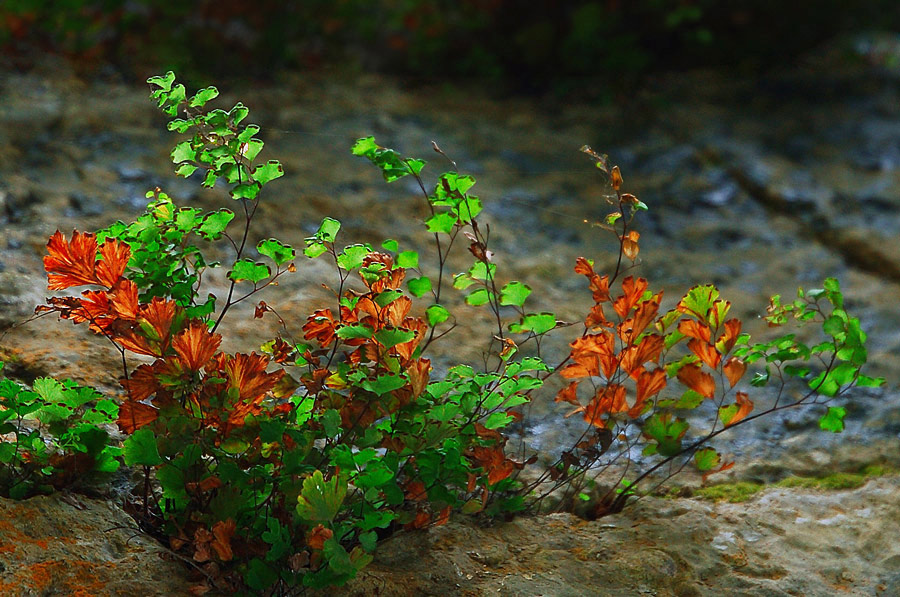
497,420
234,446
706,459
242,191
203,96
864,381
468,209
462,281
49,389
276,250
482,271
314,249
833,420
140,449
478,297
390,337
515,294
698,301
183,152
268,172
164,82
441,222
390,245
185,170
436,314
667,432
320,500
415,165
187,218
214,224
408,259
260,576
690,399
537,323
246,269
385,298
278,537
252,148
364,147
331,421
419,286
349,332
352,256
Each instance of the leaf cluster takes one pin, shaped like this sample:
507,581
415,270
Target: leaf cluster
53,435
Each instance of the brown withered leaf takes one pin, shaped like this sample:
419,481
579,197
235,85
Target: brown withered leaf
630,246
615,178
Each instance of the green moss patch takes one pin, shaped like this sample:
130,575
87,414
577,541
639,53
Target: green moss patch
744,490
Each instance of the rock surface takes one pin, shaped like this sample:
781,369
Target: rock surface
68,544
781,542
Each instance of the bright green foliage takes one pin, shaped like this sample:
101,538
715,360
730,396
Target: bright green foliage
164,263
52,436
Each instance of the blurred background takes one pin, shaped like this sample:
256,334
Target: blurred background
764,136
534,46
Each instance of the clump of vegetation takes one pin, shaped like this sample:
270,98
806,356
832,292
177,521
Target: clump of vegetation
52,435
283,468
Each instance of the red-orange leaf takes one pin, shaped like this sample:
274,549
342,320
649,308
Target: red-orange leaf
247,374
649,384
142,383
70,264
222,532
196,345
599,285
124,300
648,350
633,290
697,380
321,326
443,516
596,318
494,461
707,353
634,326
111,267
415,491
568,394
694,329
134,415
422,520
418,372
744,404
734,370
576,370
608,400
317,537
593,352
584,267
726,341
